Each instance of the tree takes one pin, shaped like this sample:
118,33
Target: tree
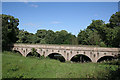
74,40
9,30
112,31
99,26
115,20
63,37
41,34
60,36
82,37
89,37
96,24
50,37
114,37
26,37
117,39
23,37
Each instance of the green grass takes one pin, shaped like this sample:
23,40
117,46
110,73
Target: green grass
17,66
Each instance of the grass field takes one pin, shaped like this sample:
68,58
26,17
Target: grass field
16,66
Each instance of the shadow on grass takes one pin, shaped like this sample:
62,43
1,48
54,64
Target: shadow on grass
114,62
114,75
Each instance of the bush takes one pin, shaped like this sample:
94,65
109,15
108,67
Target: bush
102,44
34,53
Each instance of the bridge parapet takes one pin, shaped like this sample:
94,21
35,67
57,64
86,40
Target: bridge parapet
66,47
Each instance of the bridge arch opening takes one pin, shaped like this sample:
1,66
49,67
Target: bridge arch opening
80,58
33,54
105,58
56,56
17,52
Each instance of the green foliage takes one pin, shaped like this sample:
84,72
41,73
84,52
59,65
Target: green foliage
43,41
34,53
22,36
50,37
26,37
47,37
9,30
96,24
115,20
113,31
89,37
41,34
100,27
63,37
99,33
102,44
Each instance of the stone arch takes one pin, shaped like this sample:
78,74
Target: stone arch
17,51
39,51
87,56
29,50
80,54
112,56
56,53
29,53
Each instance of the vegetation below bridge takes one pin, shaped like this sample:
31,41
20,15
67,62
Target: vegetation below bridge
17,66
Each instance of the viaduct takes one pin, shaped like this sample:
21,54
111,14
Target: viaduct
67,51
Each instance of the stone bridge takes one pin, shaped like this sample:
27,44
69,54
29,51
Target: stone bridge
67,51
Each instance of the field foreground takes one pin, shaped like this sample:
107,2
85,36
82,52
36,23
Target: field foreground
16,66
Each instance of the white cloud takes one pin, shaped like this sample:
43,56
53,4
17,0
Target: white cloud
56,22
31,5
96,15
25,1
34,5
29,24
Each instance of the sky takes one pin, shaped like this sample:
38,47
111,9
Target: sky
60,0
56,16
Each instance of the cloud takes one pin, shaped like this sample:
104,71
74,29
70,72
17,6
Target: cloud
32,25
56,22
34,5
96,15
31,5
25,1
29,24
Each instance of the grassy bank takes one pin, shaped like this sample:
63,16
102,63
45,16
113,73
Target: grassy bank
17,66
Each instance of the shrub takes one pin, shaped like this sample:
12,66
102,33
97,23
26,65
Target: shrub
102,44
34,53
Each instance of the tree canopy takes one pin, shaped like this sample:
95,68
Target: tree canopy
97,33
9,29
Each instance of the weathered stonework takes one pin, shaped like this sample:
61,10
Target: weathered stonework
94,53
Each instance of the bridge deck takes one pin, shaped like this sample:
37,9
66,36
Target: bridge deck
68,47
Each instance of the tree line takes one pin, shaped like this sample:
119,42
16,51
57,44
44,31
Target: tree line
97,33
